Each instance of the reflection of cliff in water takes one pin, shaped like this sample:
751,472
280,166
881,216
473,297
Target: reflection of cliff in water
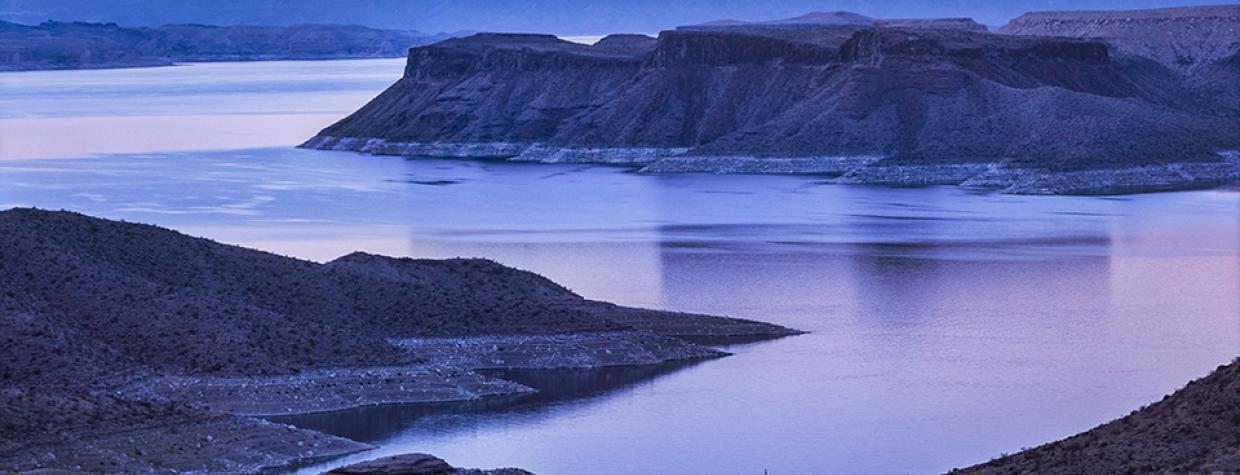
376,423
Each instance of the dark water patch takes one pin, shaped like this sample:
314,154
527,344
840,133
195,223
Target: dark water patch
728,340
1082,213
903,218
725,192
689,245
565,172
438,182
373,423
376,423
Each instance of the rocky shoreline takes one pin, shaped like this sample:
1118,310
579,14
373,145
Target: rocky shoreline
858,170
105,361
208,444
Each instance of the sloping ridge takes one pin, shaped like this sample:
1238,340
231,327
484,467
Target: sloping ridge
1194,430
158,298
109,327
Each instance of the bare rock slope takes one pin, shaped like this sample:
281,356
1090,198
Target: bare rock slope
111,332
1194,430
871,103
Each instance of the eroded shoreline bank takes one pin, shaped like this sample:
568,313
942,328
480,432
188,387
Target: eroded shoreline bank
993,175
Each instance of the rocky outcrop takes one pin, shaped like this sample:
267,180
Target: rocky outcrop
1194,430
416,464
1182,39
1021,114
113,334
59,45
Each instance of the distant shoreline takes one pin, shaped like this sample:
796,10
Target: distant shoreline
193,62
55,46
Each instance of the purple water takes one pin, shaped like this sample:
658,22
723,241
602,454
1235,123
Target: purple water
947,326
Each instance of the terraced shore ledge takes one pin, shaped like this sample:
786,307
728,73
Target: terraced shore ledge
133,348
1001,176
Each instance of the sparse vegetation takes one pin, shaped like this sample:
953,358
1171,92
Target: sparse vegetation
89,306
1195,430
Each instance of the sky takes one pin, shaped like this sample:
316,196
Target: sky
563,17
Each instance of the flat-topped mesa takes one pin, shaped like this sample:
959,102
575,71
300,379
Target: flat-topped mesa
870,104
838,20
812,20
884,42
1077,65
1179,38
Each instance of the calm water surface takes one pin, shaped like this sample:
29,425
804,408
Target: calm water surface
948,326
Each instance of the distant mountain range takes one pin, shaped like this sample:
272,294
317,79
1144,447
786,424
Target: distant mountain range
76,45
817,20
561,17
1064,102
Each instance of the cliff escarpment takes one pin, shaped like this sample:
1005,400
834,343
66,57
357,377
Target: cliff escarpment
868,104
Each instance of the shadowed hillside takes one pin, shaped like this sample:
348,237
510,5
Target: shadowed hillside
108,327
1194,430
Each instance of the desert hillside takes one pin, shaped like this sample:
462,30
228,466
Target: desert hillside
114,328
1194,430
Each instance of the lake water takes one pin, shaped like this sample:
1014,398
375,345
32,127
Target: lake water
947,326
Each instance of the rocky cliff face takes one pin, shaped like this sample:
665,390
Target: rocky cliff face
897,105
1179,38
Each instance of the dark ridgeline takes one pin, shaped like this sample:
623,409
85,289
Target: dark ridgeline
1034,110
77,45
1194,430
90,306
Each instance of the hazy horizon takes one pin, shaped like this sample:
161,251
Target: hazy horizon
562,17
